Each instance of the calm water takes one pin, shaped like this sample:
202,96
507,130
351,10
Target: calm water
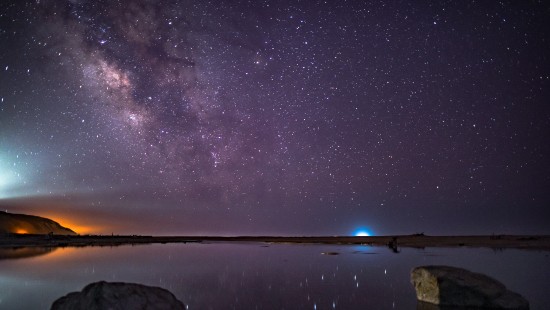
256,276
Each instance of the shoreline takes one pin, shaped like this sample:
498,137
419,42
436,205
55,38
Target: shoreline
531,242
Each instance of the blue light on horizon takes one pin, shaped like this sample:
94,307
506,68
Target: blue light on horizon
362,232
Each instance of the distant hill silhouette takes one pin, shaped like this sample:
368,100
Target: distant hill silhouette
30,224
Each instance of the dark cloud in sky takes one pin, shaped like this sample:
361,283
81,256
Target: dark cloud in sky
297,117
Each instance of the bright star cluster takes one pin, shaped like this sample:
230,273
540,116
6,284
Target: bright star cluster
284,117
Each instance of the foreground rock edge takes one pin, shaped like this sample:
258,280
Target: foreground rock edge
456,287
118,295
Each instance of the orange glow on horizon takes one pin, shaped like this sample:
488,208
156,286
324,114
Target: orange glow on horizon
59,253
76,227
79,221
74,224
21,231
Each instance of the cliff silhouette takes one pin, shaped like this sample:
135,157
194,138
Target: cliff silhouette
30,224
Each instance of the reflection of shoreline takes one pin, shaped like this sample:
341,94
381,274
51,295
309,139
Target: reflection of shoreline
24,252
416,241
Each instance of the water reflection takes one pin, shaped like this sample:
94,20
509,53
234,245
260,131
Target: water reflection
256,276
24,252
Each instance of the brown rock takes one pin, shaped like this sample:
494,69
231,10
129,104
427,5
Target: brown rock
116,295
451,286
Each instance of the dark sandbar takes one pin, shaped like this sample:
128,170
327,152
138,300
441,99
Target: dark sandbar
535,242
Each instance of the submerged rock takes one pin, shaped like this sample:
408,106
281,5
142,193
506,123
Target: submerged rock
457,287
116,295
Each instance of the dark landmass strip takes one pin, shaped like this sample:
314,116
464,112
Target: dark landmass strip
394,242
30,224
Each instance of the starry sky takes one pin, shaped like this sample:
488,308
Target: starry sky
277,117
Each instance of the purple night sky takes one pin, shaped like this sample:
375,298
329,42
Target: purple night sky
277,117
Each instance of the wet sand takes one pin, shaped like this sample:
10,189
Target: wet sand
534,242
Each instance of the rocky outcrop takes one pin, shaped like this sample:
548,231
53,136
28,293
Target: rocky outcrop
451,286
116,295
29,224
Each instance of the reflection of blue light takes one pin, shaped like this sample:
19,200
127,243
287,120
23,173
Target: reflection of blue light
362,232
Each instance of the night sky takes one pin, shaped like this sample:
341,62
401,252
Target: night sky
277,117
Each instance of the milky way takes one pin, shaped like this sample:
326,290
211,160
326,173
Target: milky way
278,117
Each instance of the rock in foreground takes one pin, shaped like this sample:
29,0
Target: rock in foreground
451,286
115,296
